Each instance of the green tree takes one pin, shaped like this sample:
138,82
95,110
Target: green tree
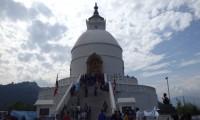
186,107
21,107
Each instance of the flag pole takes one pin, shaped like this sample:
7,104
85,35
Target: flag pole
56,86
168,88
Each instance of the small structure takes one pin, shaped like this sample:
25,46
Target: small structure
45,108
126,103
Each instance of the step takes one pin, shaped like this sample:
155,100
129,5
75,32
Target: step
95,102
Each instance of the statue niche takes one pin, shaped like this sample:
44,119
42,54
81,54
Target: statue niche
94,64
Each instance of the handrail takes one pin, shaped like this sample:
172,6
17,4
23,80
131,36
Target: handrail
66,97
112,98
79,78
105,78
66,81
135,88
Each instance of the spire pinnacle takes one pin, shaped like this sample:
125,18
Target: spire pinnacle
96,9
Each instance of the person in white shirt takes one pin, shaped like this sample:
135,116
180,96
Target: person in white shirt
139,115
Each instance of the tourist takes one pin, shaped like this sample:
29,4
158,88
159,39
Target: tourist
165,99
105,106
23,118
102,116
83,115
139,115
72,91
67,116
78,101
95,89
78,113
72,111
86,91
118,115
114,115
85,107
126,116
89,113
57,117
131,116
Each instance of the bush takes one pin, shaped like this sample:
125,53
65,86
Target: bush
184,108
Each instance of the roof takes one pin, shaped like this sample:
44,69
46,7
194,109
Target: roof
44,102
96,36
126,100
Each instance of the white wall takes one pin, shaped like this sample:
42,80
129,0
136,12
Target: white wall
111,56
144,101
99,48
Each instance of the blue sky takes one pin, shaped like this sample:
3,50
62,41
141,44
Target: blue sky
159,39
182,53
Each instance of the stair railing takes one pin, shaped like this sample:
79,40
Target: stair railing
112,98
65,97
105,78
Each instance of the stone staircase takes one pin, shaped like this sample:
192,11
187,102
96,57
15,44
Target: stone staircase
95,102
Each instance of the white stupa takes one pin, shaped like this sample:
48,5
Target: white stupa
97,52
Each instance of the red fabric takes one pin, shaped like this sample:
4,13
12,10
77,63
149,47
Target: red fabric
56,87
66,117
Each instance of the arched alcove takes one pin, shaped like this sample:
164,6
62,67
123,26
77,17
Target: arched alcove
94,64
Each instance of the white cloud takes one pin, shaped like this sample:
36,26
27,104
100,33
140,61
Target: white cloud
137,61
190,85
197,54
190,62
178,86
152,73
172,20
157,66
194,6
43,32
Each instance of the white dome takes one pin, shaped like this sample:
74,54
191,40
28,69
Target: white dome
96,36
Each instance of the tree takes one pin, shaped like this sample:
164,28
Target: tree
186,107
21,107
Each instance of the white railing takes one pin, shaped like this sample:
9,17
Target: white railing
126,83
105,78
122,79
64,100
67,81
112,98
135,88
66,97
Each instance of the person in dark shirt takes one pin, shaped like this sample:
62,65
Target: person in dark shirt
102,116
165,99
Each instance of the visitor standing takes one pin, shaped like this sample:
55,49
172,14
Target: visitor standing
102,116
105,106
165,99
95,89
86,91
67,116
138,114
